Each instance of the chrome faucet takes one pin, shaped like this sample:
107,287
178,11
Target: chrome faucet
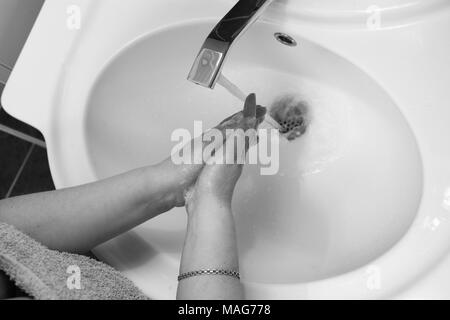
210,60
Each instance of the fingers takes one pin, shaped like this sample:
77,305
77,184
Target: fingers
260,114
250,111
250,117
253,114
230,119
250,107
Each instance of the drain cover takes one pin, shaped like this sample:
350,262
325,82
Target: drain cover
292,114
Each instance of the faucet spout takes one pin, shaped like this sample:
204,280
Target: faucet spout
211,58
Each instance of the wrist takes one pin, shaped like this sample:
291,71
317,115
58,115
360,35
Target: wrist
160,187
207,206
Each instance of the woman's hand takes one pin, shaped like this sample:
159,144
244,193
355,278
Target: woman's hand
211,237
216,182
181,178
80,218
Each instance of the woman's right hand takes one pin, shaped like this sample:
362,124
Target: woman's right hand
216,182
183,177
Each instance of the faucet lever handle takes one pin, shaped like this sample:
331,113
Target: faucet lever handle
209,62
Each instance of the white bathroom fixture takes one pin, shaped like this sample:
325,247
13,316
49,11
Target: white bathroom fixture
360,206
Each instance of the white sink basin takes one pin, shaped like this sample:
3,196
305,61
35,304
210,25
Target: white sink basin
350,197
355,175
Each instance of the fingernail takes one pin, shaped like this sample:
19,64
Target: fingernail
250,106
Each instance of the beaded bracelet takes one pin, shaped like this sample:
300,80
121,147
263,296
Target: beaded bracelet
219,272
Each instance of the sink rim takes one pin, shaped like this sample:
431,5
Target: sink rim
351,14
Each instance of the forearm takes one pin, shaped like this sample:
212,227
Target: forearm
78,219
210,244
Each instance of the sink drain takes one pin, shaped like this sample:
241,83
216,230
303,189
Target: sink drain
285,39
292,114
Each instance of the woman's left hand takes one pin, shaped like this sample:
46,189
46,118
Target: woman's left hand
216,182
183,176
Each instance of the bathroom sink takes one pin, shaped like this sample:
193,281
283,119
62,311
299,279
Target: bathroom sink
351,196
356,174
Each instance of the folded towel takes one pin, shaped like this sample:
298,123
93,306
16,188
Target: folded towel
51,275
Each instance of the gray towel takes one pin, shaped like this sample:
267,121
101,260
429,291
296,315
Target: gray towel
51,275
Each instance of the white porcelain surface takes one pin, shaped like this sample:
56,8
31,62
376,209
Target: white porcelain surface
356,174
365,192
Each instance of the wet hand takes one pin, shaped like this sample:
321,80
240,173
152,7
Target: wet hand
217,182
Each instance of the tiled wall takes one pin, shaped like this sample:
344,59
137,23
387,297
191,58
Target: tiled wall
16,20
23,158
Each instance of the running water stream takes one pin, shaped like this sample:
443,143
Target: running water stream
268,123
